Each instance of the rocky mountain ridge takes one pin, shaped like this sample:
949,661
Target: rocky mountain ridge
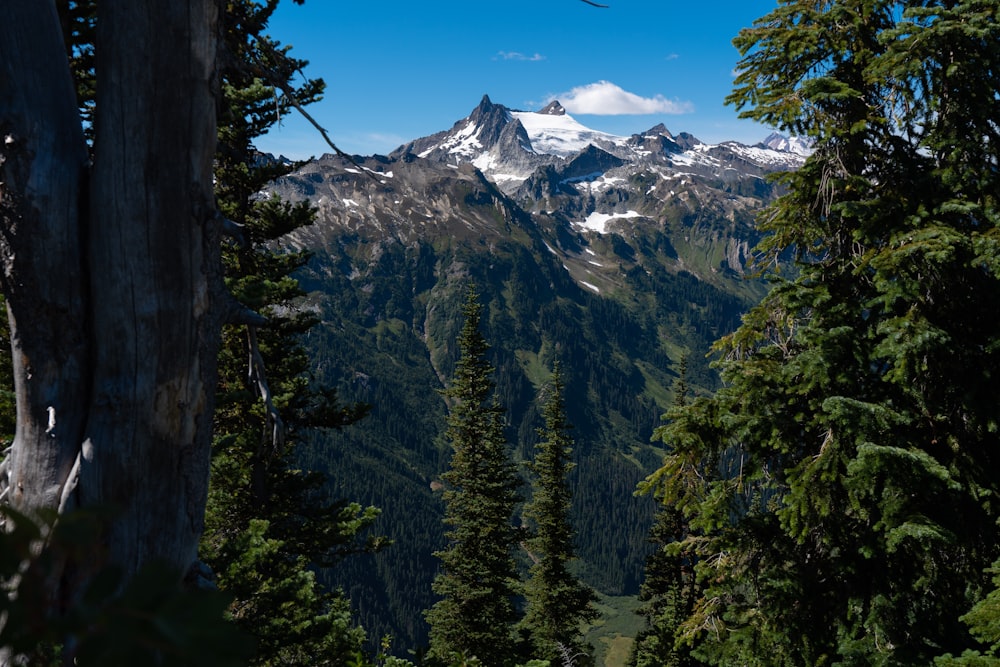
572,183
508,146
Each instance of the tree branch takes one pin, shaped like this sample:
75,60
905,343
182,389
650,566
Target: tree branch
258,377
69,486
234,312
286,90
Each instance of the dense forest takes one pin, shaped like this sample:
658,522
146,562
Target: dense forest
836,497
825,491
391,359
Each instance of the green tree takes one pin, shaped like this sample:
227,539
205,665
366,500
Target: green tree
478,582
558,604
984,623
840,488
268,522
668,589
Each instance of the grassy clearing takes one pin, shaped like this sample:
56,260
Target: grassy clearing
613,633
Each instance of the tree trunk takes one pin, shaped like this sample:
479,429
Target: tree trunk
42,177
113,281
155,264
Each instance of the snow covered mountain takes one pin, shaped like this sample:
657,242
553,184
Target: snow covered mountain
779,142
509,146
548,172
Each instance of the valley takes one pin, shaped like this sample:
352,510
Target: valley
617,256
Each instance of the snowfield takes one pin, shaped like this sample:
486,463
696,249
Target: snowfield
597,222
560,135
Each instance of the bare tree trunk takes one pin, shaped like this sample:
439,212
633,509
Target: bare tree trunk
154,258
43,175
113,281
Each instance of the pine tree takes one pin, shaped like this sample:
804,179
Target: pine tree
984,623
668,589
478,582
268,522
841,488
558,604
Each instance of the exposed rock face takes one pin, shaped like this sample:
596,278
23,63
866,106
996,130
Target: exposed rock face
553,109
544,172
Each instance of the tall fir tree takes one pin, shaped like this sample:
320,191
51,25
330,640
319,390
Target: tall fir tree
478,582
841,487
268,523
558,605
669,589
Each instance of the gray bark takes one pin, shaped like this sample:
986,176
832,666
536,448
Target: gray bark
112,273
44,159
154,253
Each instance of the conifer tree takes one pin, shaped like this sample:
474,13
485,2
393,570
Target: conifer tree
984,623
478,582
558,604
668,589
841,487
269,523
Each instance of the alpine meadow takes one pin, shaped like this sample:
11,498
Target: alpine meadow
521,392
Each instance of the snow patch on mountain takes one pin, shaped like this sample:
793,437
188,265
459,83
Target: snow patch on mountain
465,142
766,156
560,134
797,145
598,222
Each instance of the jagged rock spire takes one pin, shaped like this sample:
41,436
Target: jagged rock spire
554,108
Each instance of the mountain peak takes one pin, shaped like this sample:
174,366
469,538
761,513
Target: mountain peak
553,108
797,145
658,130
485,107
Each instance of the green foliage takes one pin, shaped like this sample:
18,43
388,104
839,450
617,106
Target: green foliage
668,594
669,589
390,320
478,581
840,489
984,622
558,605
151,619
296,621
268,522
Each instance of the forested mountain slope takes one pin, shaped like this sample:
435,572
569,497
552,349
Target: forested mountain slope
617,259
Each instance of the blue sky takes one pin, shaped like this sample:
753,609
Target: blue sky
397,70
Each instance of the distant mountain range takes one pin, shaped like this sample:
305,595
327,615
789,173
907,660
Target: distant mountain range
619,256
508,147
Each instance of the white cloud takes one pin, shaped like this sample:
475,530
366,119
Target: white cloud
606,99
514,55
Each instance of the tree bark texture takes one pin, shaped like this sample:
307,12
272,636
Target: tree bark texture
42,181
112,271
